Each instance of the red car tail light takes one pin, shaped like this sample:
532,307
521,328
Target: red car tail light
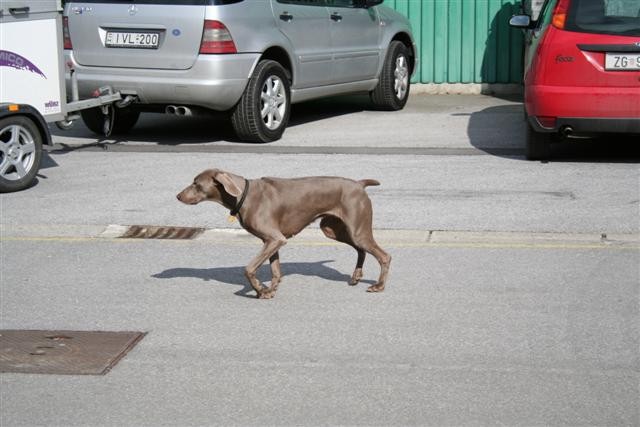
560,14
216,38
65,33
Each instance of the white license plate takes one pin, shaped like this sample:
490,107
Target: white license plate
133,40
622,61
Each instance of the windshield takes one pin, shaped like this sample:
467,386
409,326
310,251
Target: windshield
618,17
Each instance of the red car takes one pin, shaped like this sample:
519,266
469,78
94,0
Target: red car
582,70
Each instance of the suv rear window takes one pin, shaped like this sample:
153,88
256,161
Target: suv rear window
617,17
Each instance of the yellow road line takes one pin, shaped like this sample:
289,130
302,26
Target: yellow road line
315,243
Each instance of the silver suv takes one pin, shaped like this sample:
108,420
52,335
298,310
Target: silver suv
253,58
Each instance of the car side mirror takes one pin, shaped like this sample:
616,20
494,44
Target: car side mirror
521,21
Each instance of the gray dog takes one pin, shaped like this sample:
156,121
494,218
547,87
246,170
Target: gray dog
275,209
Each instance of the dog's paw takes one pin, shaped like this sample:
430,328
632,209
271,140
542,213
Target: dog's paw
355,277
375,288
266,294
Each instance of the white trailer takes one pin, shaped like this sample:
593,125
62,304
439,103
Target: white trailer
32,88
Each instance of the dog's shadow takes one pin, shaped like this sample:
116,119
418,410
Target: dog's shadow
235,275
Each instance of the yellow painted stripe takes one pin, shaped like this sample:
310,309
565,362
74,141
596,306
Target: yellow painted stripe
317,243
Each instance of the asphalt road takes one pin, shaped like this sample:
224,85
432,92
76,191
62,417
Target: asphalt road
513,295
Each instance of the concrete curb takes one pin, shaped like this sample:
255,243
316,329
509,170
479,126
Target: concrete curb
50,231
497,89
449,238
314,236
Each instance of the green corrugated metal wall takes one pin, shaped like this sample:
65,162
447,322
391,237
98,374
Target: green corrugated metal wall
464,41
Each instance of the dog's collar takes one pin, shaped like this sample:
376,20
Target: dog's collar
236,210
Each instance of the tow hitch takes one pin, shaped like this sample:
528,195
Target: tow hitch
104,97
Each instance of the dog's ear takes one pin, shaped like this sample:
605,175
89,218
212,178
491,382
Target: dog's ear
228,184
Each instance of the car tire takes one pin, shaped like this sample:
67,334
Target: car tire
538,144
124,120
392,91
263,111
20,153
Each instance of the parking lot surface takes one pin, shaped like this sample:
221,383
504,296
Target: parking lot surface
512,298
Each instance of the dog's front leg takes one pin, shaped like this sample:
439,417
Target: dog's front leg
269,250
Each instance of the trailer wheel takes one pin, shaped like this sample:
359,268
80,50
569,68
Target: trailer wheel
124,120
20,153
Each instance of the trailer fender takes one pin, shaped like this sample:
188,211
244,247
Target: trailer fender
8,109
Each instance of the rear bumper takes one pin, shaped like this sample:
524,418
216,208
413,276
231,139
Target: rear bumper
589,125
214,81
585,109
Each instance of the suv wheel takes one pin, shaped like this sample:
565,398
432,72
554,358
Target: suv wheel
123,121
538,144
20,153
392,91
263,111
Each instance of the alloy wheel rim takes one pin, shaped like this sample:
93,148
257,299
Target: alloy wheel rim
17,152
273,102
401,74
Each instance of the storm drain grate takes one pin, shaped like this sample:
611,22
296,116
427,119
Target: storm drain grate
64,352
154,232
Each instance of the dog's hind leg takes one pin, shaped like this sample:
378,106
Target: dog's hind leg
335,229
359,227
383,258
357,224
276,274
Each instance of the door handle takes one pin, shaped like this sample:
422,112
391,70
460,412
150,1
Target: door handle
286,17
19,10
335,16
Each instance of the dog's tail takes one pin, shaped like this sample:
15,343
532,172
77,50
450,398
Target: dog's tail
368,182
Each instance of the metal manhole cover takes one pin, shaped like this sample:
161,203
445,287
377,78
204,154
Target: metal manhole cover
155,232
64,352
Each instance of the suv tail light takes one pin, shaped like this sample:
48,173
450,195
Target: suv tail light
216,38
560,14
65,33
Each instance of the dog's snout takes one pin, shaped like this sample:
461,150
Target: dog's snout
186,196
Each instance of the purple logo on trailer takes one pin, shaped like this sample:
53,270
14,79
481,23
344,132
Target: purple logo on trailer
13,60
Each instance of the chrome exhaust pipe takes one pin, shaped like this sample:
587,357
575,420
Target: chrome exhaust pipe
566,131
178,110
183,111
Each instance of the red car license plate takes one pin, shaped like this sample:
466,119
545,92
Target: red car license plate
622,61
